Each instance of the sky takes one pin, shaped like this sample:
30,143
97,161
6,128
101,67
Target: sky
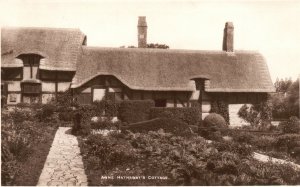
270,27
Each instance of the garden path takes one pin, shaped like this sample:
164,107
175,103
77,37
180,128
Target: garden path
64,166
265,158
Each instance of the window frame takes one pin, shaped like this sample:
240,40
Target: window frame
11,69
37,91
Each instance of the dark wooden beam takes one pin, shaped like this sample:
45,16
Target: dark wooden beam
175,100
56,85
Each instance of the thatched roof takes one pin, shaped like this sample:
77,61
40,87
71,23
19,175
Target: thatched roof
161,69
59,47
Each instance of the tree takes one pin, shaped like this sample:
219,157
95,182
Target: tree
286,100
283,85
151,45
158,46
292,99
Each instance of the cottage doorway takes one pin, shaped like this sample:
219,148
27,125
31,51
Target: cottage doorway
98,94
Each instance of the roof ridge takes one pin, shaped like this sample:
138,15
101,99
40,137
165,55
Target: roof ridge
167,50
43,28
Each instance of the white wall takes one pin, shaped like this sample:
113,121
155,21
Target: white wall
87,90
234,119
63,86
14,86
26,73
195,95
48,87
206,106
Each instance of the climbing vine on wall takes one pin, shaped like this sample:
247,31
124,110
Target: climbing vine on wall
220,107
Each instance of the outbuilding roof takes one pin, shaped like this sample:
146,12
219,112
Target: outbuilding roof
174,70
58,47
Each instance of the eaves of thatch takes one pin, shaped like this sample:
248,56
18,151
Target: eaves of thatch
174,70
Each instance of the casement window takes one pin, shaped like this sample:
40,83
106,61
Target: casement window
31,88
12,73
115,94
47,75
60,76
65,76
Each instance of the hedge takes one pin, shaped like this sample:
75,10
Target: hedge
191,116
107,107
168,125
132,111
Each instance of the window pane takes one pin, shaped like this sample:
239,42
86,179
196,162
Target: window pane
65,76
12,74
31,88
47,75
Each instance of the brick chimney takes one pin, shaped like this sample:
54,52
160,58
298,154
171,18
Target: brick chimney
228,37
142,32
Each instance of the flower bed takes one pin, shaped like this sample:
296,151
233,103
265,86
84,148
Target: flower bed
25,146
134,159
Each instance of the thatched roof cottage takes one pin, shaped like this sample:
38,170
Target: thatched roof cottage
57,59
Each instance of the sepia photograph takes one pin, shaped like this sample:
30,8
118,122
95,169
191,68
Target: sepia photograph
150,92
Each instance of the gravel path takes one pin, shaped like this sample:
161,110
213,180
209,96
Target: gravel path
265,158
64,166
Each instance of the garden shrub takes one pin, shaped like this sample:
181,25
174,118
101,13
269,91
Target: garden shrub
46,112
106,124
132,111
190,116
295,152
291,126
265,143
243,137
20,134
19,115
287,141
87,112
107,107
185,161
212,126
65,114
220,107
64,99
258,114
107,153
248,114
168,125
241,149
214,120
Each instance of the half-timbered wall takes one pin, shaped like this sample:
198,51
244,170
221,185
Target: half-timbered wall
116,89
54,82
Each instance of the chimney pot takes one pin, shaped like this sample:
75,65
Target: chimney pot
228,37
